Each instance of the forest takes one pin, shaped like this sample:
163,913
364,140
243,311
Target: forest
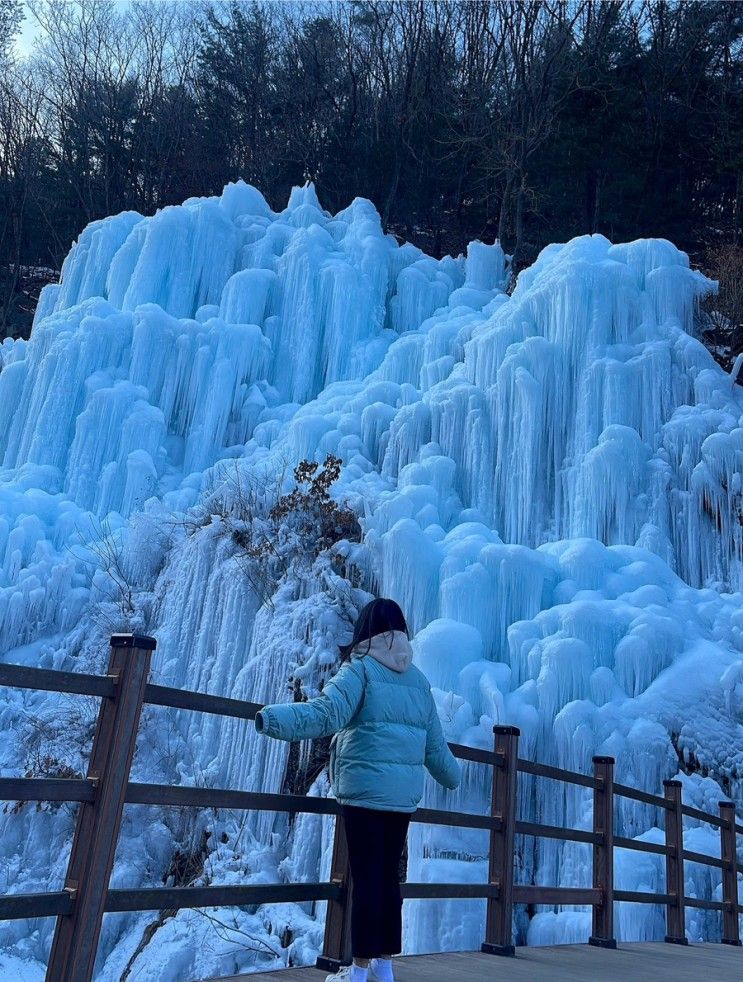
530,122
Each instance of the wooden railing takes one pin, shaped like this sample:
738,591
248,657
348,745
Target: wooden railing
86,896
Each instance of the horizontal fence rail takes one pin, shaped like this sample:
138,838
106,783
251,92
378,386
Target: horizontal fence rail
106,789
639,846
557,832
201,702
625,791
556,773
638,897
46,789
703,816
44,679
554,896
178,898
23,905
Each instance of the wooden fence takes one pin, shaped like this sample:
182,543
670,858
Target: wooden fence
85,896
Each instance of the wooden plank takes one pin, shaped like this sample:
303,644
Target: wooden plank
48,680
643,962
451,891
555,896
186,797
437,816
16,906
704,904
97,827
499,910
702,816
704,859
639,897
639,846
675,920
602,916
728,852
179,898
45,789
473,753
201,702
556,773
625,791
554,832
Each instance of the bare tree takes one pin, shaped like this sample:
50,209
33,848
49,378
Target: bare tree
11,16
526,120
23,155
517,78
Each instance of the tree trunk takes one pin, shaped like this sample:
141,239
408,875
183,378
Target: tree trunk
391,193
519,220
505,207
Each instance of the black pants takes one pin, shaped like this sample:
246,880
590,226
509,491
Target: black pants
375,844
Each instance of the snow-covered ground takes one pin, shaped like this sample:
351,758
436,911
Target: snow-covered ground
549,482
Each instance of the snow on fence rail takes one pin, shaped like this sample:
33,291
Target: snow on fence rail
86,896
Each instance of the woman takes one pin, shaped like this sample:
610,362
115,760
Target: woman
387,729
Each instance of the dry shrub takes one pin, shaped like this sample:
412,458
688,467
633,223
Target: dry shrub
278,533
724,333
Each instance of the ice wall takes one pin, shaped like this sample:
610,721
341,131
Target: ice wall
549,482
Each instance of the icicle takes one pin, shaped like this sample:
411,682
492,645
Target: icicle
548,482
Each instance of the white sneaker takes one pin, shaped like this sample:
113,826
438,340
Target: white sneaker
343,975
347,974
380,970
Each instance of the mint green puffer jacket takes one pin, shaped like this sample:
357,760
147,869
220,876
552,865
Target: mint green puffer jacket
387,728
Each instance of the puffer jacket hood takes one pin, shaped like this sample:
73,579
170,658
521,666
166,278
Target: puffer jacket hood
395,652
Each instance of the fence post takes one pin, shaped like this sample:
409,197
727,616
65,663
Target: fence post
730,925
602,934
499,917
97,828
675,919
336,948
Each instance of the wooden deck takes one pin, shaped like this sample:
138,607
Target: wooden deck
566,963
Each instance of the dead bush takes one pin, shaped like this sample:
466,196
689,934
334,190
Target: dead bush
723,334
278,533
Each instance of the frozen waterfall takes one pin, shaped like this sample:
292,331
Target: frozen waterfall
548,481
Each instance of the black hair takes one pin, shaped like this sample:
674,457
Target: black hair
378,617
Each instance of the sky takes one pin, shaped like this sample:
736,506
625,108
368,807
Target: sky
31,30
